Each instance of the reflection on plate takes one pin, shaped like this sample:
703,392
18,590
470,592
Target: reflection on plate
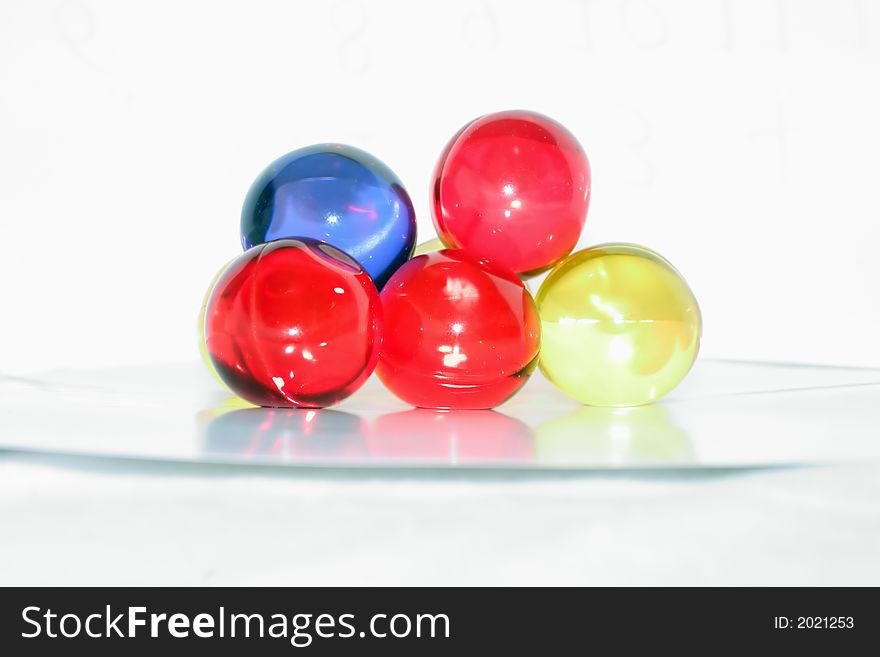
413,436
725,414
265,434
644,435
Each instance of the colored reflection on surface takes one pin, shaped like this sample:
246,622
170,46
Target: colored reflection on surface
642,435
513,187
459,333
319,435
285,434
231,403
620,326
337,194
294,323
588,436
451,437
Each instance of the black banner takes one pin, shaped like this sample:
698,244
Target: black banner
409,621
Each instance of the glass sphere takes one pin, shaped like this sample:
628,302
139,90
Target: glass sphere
619,324
431,245
337,194
459,333
294,323
513,187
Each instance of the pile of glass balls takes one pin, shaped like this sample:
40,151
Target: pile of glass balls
331,286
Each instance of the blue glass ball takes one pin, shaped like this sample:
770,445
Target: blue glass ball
337,194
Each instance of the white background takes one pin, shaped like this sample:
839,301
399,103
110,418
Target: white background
740,139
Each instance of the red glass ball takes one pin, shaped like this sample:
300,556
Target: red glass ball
460,333
513,187
294,323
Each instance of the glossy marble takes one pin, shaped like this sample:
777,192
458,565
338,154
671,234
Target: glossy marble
514,187
459,333
294,323
337,194
620,326
430,245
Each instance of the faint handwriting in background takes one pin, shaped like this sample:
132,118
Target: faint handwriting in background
351,21
860,21
480,27
651,116
602,25
597,25
77,29
782,24
774,131
585,43
780,14
642,174
726,25
644,23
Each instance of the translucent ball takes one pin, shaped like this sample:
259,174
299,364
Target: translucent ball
460,333
513,187
337,194
294,323
431,245
620,326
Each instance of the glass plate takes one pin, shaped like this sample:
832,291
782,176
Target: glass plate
726,414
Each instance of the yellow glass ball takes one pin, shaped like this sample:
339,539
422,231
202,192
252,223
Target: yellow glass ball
203,347
619,326
431,245
437,244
